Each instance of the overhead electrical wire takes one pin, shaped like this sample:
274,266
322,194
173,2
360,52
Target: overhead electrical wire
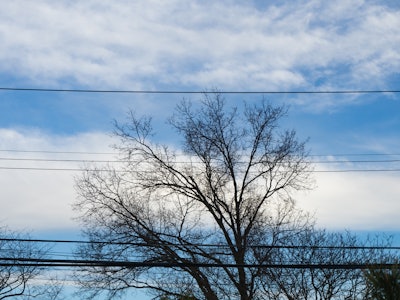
57,152
194,92
23,89
184,162
36,262
91,161
94,161
75,261
114,153
123,171
142,244
62,160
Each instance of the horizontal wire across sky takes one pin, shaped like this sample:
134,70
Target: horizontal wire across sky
22,89
83,161
79,263
63,90
56,241
34,262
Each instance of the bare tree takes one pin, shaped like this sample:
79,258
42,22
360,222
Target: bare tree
228,190
16,278
314,247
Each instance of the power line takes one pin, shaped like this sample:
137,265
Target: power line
356,171
124,171
180,162
114,153
313,161
354,154
62,160
36,262
142,244
56,152
354,161
48,169
194,92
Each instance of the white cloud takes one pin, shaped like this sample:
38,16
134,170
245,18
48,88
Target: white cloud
355,200
42,199
202,43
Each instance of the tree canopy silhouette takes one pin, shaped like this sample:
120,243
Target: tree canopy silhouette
225,191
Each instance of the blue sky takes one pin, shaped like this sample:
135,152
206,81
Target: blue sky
197,46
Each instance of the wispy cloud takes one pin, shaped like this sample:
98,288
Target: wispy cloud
121,44
174,45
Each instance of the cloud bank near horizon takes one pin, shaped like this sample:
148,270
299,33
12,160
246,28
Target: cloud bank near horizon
37,192
42,200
